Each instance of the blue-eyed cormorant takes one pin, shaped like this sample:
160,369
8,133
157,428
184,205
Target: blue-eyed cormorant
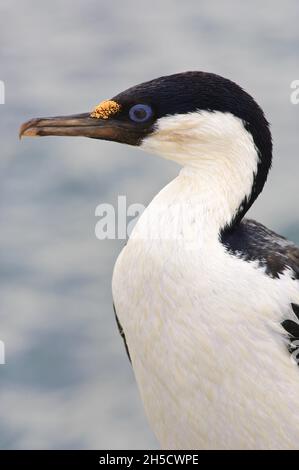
206,301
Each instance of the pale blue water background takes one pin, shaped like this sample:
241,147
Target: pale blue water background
67,382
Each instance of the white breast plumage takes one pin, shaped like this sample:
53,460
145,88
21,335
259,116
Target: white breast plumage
204,334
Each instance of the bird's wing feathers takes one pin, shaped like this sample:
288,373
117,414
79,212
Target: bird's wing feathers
292,328
253,241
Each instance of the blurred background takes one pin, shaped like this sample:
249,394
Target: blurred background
67,382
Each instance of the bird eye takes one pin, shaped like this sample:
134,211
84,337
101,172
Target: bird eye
140,112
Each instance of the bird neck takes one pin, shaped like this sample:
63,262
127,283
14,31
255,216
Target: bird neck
196,206
217,189
226,160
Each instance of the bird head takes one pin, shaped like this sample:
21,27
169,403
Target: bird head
194,118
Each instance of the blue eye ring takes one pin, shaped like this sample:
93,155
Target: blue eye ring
140,112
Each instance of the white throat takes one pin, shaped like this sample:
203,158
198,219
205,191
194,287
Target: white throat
219,162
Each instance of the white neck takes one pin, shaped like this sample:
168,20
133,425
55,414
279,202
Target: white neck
219,162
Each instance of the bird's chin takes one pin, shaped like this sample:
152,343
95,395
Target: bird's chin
82,125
